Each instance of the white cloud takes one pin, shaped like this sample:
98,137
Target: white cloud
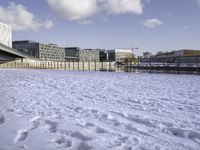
21,19
124,6
198,3
151,23
73,9
84,9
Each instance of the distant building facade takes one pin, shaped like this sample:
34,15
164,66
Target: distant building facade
72,53
54,52
187,52
184,56
5,34
111,56
40,50
147,54
102,55
88,55
179,53
119,54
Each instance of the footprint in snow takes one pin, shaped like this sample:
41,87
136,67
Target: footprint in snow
21,135
183,133
89,124
35,122
63,142
52,126
2,119
84,146
80,136
98,129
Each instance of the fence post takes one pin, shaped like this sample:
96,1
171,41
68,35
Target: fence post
131,67
179,64
163,66
83,66
198,64
89,65
78,64
69,64
95,65
149,65
73,64
109,65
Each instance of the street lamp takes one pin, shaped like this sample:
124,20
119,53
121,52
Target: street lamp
132,48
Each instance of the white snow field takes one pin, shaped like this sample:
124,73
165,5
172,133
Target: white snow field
48,110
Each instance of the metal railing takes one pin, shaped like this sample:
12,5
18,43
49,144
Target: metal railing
170,65
56,65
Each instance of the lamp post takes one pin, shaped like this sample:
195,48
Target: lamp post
133,48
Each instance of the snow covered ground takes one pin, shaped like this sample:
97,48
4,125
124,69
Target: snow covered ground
47,110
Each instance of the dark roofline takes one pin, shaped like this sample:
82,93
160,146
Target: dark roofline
24,41
73,48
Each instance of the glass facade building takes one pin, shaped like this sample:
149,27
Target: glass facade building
40,50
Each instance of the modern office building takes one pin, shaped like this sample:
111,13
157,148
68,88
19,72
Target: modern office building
88,55
102,55
5,34
183,52
147,55
187,52
119,54
72,53
40,50
184,56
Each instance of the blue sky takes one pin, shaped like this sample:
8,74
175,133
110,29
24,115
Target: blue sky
151,25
